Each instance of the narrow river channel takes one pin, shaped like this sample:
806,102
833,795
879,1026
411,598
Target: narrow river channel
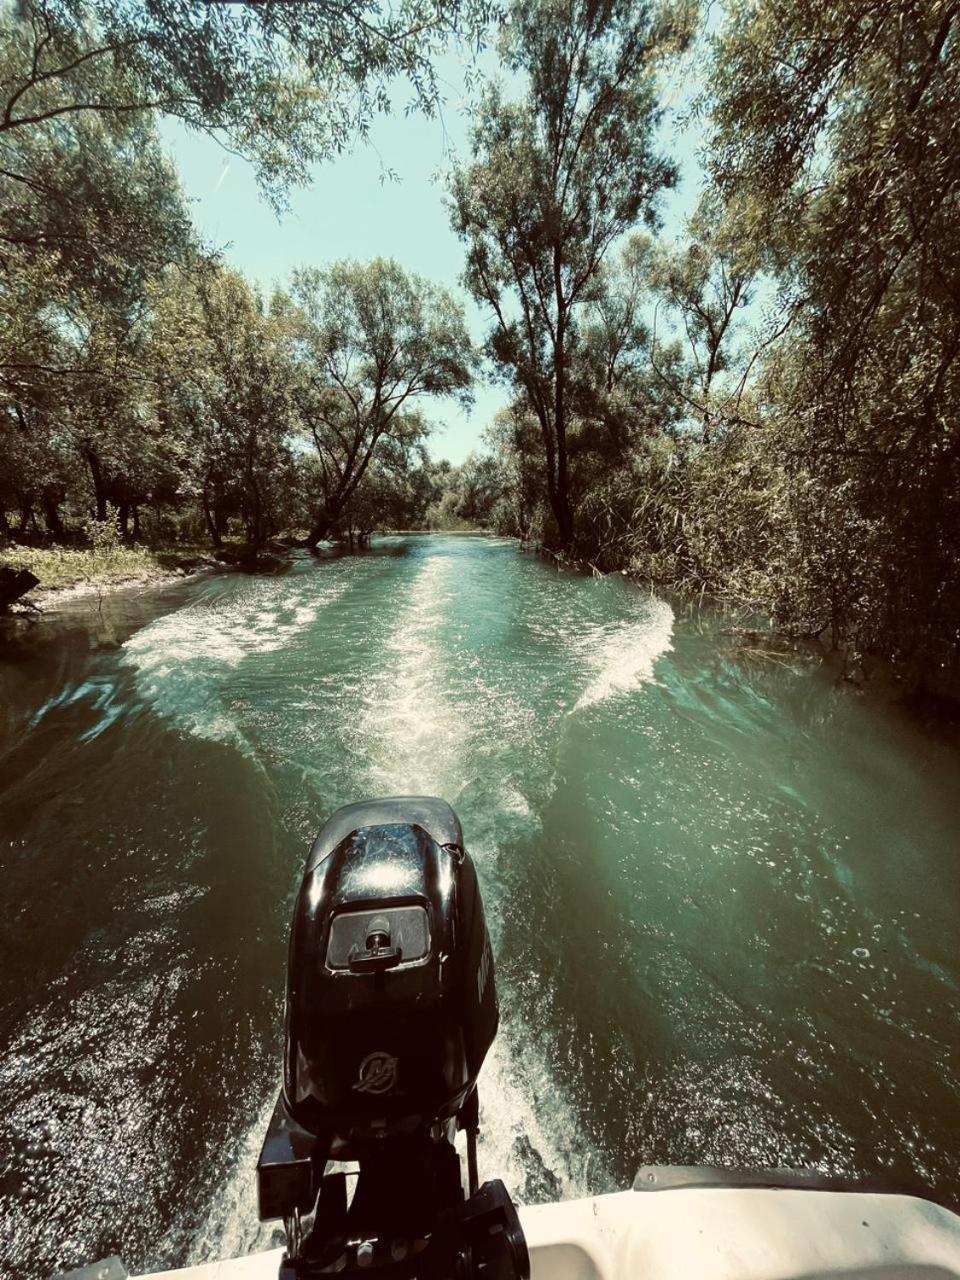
724,892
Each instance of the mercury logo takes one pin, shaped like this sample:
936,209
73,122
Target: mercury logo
378,1073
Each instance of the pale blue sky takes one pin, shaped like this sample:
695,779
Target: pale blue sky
351,211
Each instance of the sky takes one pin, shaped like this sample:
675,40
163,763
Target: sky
351,209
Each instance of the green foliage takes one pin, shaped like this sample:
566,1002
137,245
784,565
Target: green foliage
72,566
770,410
471,495
837,132
104,535
92,213
283,84
554,180
224,365
135,371
374,342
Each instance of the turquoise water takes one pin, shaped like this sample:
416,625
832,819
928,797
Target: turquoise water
723,891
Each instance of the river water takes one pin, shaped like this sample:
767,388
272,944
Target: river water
724,893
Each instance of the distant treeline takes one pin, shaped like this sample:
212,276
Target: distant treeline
763,404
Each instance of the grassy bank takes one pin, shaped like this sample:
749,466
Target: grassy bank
76,568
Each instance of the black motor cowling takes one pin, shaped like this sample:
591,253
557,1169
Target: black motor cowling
391,1004
391,1008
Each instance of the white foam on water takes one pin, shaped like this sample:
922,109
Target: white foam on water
433,726
183,658
411,732
527,1130
622,657
427,724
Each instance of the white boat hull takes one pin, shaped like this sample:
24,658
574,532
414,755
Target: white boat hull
712,1233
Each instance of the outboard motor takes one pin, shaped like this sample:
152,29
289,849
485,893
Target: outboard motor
391,1008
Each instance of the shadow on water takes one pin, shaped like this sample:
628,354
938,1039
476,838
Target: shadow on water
736,926
722,890
145,893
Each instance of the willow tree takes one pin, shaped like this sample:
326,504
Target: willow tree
705,286
375,343
554,180
224,368
91,213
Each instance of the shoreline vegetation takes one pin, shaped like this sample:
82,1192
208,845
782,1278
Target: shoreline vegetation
69,572
757,637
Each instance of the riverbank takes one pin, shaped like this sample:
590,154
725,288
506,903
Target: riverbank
931,690
69,573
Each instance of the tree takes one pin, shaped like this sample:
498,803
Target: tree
91,214
123,382
516,442
224,366
837,146
393,494
705,283
555,180
374,342
283,84
468,495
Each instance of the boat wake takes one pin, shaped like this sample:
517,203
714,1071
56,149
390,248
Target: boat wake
181,660
425,709
622,656
529,1135
434,723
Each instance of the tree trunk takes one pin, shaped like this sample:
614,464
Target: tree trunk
213,524
136,522
99,484
51,515
560,496
557,485
253,501
321,527
563,512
